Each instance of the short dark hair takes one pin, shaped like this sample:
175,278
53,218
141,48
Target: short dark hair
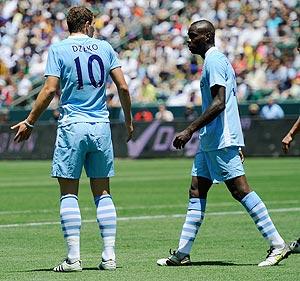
207,27
77,17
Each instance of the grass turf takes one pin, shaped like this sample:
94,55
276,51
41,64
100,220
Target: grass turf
228,246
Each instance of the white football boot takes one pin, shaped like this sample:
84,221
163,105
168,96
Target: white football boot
108,265
276,255
174,260
65,266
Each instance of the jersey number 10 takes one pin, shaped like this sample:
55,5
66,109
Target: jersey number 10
96,84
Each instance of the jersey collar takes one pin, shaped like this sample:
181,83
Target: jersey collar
211,49
78,36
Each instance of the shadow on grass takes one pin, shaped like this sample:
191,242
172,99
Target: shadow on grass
197,263
220,263
51,270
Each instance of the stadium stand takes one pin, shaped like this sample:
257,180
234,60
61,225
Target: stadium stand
259,37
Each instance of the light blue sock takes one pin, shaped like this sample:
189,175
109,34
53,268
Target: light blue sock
107,220
193,220
259,213
71,222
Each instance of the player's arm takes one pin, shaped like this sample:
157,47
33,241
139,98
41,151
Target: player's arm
286,141
43,100
123,92
216,107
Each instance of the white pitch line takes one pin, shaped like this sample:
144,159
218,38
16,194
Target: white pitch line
220,204
282,210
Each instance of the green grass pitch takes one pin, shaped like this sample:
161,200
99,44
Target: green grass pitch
151,199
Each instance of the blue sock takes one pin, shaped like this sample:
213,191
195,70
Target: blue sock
71,222
194,218
107,220
259,213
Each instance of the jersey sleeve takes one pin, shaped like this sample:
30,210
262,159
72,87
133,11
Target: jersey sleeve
114,61
52,66
216,69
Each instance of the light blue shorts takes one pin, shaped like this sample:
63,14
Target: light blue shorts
83,144
218,165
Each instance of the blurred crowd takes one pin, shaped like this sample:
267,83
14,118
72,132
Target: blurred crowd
258,36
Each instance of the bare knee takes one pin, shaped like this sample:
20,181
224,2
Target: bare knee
68,186
240,191
193,192
238,194
199,187
99,186
238,188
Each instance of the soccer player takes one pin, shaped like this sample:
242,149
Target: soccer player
218,156
286,142
80,65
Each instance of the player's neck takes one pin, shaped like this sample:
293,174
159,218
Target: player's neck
206,50
78,34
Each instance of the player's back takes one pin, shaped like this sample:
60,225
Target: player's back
83,65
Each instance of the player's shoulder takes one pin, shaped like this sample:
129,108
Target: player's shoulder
93,43
59,44
99,41
217,57
103,45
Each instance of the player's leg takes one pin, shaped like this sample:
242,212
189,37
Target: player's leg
241,191
199,188
235,180
71,222
67,165
195,214
99,166
107,221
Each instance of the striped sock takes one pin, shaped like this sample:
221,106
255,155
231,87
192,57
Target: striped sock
259,213
71,222
193,220
107,220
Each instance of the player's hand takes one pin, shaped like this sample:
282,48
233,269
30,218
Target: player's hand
129,128
23,132
286,143
182,138
241,154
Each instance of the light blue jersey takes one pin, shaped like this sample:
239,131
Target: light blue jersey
83,65
225,130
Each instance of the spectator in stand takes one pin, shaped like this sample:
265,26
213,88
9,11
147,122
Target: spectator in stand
190,114
294,91
253,110
4,116
143,116
3,68
272,110
24,85
240,64
148,91
163,114
5,97
273,23
253,34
